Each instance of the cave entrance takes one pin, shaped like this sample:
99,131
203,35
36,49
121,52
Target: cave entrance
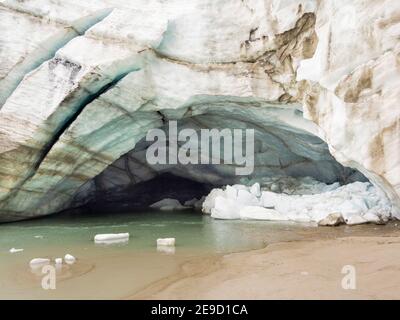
283,147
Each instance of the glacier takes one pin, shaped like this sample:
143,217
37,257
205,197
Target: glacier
82,82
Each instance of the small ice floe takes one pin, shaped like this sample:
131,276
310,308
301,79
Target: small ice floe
58,261
38,262
166,249
14,250
168,205
166,242
111,238
166,245
69,259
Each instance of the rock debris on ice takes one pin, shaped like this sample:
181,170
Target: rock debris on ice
303,200
332,220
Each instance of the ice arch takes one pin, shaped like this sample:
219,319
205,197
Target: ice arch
273,62
281,149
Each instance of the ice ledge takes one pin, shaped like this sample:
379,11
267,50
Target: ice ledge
309,201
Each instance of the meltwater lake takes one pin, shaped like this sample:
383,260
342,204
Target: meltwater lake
121,270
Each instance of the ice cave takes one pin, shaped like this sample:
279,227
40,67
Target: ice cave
75,112
216,150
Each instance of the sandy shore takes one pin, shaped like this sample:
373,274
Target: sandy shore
290,270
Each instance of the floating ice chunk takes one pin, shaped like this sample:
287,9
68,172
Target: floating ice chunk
14,250
260,213
111,238
58,261
39,262
69,259
168,242
168,205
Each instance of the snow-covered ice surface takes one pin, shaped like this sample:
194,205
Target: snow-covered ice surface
303,200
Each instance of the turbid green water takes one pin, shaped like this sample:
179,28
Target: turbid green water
118,271
192,230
